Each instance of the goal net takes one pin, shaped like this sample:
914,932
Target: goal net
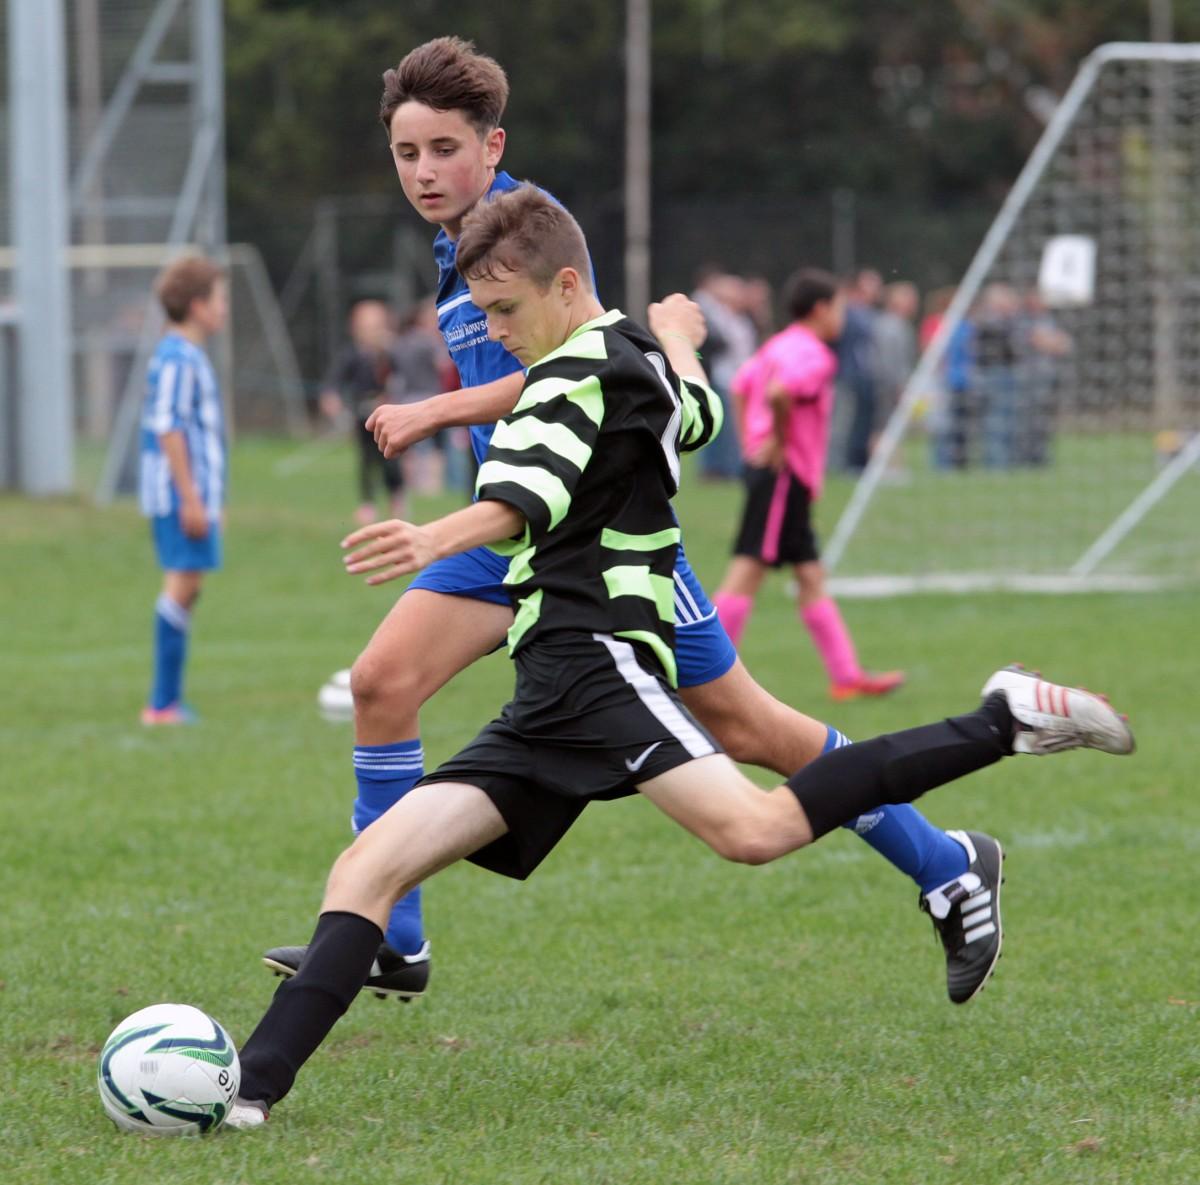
1050,434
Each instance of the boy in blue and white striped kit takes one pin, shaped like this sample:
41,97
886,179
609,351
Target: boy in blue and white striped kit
183,464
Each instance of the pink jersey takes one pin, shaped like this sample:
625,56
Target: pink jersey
805,366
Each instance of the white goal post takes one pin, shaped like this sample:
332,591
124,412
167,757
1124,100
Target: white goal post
1050,433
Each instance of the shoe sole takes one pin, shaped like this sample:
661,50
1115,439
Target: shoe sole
999,929
283,971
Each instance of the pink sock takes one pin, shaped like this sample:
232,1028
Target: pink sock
733,610
832,639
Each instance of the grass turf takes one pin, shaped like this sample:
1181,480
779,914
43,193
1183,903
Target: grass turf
638,1011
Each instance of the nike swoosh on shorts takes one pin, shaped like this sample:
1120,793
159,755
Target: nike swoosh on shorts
634,766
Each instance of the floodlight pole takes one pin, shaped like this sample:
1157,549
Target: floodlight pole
637,157
208,116
38,193
1162,20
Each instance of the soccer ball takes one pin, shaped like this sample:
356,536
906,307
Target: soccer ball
334,699
168,1070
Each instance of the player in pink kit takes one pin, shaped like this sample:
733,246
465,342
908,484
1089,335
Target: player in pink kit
785,402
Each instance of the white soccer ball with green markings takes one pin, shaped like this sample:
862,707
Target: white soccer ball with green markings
168,1070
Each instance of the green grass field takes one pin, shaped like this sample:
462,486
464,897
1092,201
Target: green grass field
638,1011
1038,520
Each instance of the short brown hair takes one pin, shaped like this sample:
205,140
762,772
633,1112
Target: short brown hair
448,74
521,230
187,279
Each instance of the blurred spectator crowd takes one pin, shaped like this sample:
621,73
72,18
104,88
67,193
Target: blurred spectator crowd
996,397
991,403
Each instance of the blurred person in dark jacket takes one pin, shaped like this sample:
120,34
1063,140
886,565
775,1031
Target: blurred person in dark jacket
358,383
856,364
732,338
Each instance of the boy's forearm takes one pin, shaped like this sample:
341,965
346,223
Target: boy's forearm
781,410
386,550
740,409
781,427
399,426
484,522
174,448
484,404
682,357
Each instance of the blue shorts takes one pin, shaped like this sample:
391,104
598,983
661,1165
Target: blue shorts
703,651
178,552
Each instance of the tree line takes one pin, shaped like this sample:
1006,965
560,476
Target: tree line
923,109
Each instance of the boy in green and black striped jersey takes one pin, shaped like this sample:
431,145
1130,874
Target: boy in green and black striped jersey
590,457
577,484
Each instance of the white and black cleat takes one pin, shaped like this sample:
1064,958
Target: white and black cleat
1051,719
966,915
392,974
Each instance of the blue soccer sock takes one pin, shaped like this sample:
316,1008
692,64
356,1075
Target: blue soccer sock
171,624
903,836
386,773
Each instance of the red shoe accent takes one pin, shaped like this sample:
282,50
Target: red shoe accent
868,683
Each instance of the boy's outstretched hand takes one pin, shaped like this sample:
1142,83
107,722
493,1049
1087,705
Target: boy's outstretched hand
394,548
388,550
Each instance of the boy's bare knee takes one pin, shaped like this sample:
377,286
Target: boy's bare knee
736,732
357,881
343,873
377,679
366,677
764,732
741,844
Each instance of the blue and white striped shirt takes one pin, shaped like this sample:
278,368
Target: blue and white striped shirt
182,395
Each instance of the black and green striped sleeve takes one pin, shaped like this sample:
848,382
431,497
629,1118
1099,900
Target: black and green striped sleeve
539,450
703,414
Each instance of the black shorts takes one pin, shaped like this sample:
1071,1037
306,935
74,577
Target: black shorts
776,519
591,718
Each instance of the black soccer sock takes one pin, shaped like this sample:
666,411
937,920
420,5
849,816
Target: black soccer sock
308,1005
900,766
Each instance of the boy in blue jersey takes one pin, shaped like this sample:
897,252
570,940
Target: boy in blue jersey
442,107
182,471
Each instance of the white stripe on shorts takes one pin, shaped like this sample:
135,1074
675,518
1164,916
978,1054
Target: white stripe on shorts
660,705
